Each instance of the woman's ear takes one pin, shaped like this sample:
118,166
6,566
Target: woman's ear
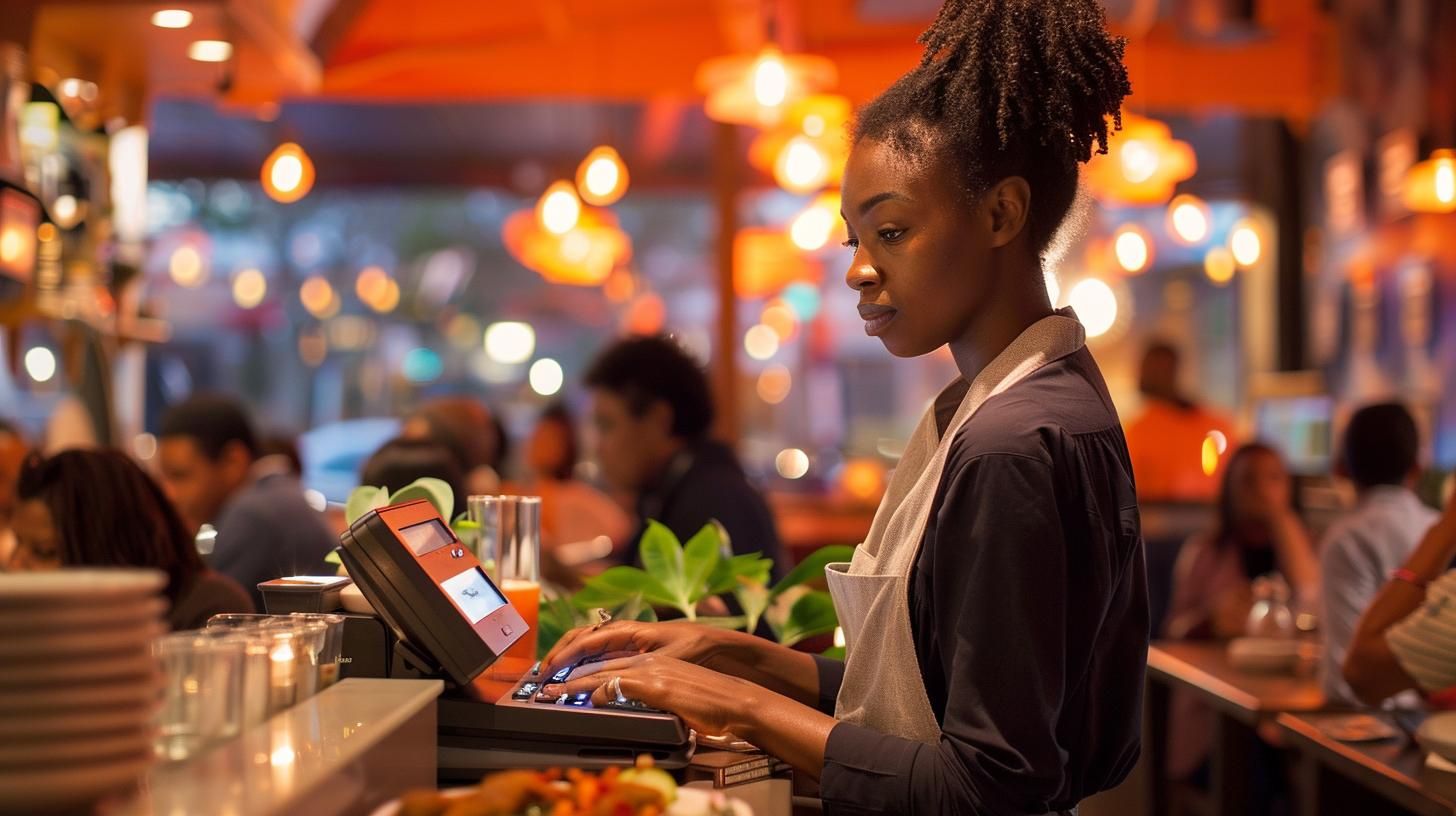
1008,205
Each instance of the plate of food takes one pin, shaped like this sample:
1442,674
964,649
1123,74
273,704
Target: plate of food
640,791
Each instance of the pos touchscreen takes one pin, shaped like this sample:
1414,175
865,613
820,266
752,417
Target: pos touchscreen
430,588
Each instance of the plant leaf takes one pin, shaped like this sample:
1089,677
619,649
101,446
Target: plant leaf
754,598
811,569
362,499
612,588
437,491
662,558
811,615
834,653
731,572
701,556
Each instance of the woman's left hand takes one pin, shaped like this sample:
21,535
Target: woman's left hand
710,702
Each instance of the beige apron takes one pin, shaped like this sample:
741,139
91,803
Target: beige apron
882,688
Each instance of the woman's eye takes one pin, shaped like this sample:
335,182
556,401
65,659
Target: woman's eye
851,244
891,235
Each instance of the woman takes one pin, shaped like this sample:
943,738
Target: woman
572,511
96,508
996,617
1405,638
1258,532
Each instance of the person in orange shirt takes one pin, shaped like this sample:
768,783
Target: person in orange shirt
1166,441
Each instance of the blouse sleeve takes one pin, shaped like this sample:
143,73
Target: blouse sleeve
1001,605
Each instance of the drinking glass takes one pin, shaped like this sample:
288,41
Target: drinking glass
495,520
333,647
202,693
518,567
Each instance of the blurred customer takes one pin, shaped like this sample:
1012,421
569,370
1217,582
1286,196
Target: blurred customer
572,511
1258,531
13,450
97,508
1381,455
281,450
1166,440
1407,638
401,461
471,432
652,409
210,465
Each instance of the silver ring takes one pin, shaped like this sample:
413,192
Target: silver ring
614,686
603,618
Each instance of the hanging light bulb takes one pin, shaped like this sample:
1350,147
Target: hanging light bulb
1430,186
756,89
1188,218
602,177
802,167
559,209
287,173
770,78
1133,248
1245,243
1143,163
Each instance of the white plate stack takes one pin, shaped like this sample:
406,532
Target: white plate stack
79,686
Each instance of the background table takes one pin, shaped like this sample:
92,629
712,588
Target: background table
1241,701
1338,778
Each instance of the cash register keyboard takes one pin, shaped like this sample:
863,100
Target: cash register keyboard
530,691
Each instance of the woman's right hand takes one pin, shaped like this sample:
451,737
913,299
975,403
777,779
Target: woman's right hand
688,642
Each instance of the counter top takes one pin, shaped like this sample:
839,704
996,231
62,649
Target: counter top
323,756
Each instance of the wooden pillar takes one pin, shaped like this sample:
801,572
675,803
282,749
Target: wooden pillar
726,179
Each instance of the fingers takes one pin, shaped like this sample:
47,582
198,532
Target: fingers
589,676
617,636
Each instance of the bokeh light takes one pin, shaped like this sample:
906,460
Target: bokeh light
546,376
792,463
510,342
1095,304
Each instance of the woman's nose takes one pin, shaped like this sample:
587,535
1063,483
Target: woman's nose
861,276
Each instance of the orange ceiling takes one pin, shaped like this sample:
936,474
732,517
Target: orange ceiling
485,50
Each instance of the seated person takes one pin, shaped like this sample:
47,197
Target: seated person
96,508
13,451
1381,456
211,468
572,511
652,410
403,460
1407,638
1257,532
471,432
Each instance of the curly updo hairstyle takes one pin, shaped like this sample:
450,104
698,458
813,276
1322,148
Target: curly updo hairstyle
1009,88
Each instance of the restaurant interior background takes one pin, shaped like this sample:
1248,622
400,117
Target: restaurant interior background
337,209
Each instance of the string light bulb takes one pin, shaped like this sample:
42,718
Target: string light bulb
559,208
602,178
288,173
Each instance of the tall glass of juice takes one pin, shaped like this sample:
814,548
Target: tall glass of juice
518,569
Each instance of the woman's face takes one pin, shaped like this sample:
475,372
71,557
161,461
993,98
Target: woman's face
920,253
1260,486
37,544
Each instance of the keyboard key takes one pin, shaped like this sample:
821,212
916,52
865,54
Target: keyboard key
526,690
560,676
536,669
